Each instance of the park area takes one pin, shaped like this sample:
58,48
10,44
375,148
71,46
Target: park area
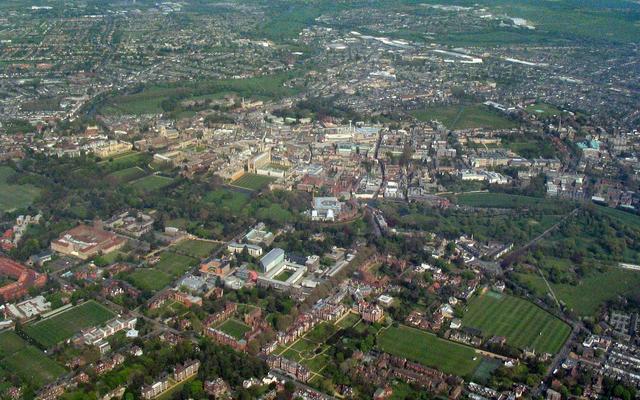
472,116
127,175
151,183
429,350
13,196
253,181
195,248
524,324
591,292
62,326
26,361
170,266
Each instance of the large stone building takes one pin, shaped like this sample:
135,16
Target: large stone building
86,241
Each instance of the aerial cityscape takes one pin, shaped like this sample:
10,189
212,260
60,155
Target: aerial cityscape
319,199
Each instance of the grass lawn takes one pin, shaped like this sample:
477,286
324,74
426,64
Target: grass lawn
175,264
151,183
124,161
232,200
499,200
195,248
62,326
253,181
234,327
149,279
587,296
543,110
348,321
127,174
12,196
428,349
26,361
524,324
284,275
465,117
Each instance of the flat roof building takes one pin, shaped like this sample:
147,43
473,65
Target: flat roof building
272,259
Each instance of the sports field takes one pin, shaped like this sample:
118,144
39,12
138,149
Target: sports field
524,324
127,174
15,196
465,117
151,183
195,248
175,264
253,181
591,292
428,349
51,331
149,279
234,328
29,363
498,200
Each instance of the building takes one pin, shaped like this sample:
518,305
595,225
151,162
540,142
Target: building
186,371
154,390
217,388
252,249
112,148
86,241
25,279
272,259
133,224
326,209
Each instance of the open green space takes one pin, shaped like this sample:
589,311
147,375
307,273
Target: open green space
591,292
151,183
124,161
457,117
15,196
149,279
543,110
428,349
524,324
127,174
26,361
53,330
253,181
501,200
195,248
227,199
175,264
234,328
284,275
159,98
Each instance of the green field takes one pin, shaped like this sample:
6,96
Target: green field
51,331
232,200
127,174
15,196
524,324
591,292
543,110
283,276
253,181
465,117
175,264
151,183
149,101
195,248
428,349
26,361
124,161
500,200
149,279
234,328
